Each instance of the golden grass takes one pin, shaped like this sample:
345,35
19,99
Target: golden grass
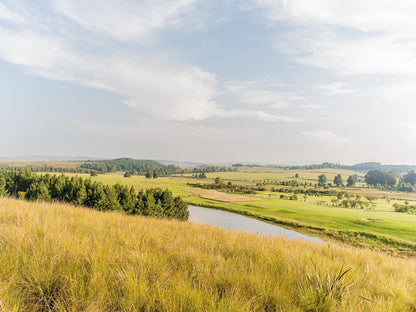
56,257
220,196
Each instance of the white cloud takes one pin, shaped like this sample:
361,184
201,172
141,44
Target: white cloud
166,89
323,135
248,92
336,88
47,44
384,16
8,15
312,106
255,113
349,37
123,19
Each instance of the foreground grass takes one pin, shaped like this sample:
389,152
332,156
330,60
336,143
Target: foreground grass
55,257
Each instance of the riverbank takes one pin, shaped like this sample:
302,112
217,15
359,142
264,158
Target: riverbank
237,222
351,237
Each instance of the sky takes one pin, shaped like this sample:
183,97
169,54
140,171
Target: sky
259,81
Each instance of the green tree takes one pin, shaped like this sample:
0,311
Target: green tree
94,173
338,180
148,175
382,178
410,177
219,181
2,184
322,180
127,174
155,174
352,179
38,191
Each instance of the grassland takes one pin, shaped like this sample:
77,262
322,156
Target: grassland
391,231
55,257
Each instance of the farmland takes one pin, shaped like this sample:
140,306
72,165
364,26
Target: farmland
376,225
359,215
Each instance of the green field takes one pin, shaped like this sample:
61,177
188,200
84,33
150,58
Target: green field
379,227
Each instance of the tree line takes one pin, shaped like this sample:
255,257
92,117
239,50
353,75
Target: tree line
25,184
134,166
388,179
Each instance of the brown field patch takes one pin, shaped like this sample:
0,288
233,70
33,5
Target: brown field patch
220,196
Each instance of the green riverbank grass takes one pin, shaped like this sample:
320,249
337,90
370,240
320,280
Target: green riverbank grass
56,257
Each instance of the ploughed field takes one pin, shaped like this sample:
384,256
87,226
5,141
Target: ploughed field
56,257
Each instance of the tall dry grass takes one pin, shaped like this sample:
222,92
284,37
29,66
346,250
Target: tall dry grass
56,257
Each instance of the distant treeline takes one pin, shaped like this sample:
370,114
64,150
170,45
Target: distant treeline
361,167
389,180
207,169
228,187
134,166
25,184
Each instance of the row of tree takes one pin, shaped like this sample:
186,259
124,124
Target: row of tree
338,181
134,166
80,191
388,179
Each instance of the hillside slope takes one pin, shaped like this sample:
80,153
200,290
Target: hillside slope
56,257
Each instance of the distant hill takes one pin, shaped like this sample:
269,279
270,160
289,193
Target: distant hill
361,167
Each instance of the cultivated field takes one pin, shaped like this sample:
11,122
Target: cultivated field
56,257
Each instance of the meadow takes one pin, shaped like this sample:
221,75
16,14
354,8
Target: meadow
57,257
377,226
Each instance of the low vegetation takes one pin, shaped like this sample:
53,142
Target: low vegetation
55,257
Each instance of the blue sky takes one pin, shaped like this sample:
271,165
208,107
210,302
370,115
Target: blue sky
272,81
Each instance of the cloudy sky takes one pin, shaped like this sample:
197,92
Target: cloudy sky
272,81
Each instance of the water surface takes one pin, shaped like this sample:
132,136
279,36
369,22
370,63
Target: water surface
233,221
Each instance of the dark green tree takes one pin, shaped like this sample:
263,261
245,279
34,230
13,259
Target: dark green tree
219,181
352,180
338,180
127,174
410,177
322,180
94,173
38,191
148,175
2,184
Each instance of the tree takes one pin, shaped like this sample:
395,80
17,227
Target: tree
322,180
338,180
155,174
391,179
2,184
410,177
38,191
218,181
352,179
94,173
148,175
382,178
127,174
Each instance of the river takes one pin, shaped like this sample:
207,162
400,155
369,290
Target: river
233,221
